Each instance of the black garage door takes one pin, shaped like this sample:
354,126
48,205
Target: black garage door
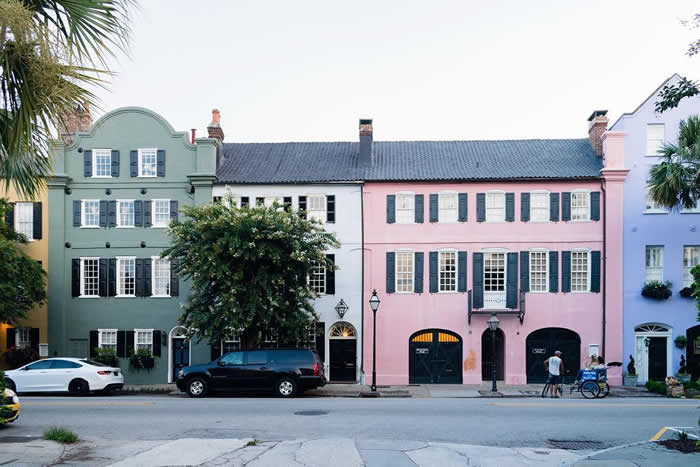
542,344
435,357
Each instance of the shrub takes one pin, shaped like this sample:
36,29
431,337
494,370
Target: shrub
61,435
681,341
631,371
657,290
106,356
686,292
142,359
656,386
19,357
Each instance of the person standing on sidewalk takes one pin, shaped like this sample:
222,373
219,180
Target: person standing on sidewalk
555,367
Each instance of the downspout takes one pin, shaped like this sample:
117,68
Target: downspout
605,259
362,282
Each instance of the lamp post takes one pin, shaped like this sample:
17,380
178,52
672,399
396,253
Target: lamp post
493,326
374,304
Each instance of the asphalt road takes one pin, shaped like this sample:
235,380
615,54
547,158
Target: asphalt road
494,422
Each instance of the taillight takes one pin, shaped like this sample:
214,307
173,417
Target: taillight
315,369
103,373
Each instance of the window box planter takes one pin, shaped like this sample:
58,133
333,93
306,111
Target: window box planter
142,360
107,357
686,292
657,290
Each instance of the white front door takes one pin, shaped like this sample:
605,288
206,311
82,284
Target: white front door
641,355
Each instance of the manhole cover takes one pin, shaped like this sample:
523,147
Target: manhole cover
18,439
575,445
311,412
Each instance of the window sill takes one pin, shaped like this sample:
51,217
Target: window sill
690,212
125,226
448,292
147,176
89,226
540,222
89,296
655,212
539,291
404,292
579,221
125,296
160,296
101,176
580,291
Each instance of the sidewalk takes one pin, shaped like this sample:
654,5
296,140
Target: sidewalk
646,454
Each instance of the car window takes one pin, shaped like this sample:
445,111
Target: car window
233,358
64,364
92,362
257,357
40,365
288,356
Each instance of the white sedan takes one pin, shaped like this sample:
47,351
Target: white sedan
75,375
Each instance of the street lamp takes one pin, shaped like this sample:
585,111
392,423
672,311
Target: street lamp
493,326
374,304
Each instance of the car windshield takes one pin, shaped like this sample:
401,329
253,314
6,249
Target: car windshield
92,362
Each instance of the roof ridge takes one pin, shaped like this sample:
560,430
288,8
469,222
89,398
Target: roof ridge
412,141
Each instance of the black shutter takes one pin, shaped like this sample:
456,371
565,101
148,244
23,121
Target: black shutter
566,271
138,212
512,281
215,350
524,207
134,163
77,221
463,210
87,163
433,271
140,285
75,274
112,213
112,277
566,206
554,207
94,343
554,271
245,201
462,271
595,271
34,339
173,210
390,209
302,207
287,203
103,213
147,274
260,201
115,163
419,209
121,344
595,205
174,280
510,207
160,169
103,277
478,280
10,216
330,275
434,207
390,276
147,213
10,338
36,218
156,343
480,207
330,208
524,271
418,272
130,342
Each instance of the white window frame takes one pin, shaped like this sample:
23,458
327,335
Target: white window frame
270,336
83,211
502,194
82,276
501,294
546,193
695,210
136,339
649,140
22,343
119,284
652,210
94,162
323,277
587,194
234,338
413,271
456,285
320,214
441,219
140,163
588,270
119,216
101,344
412,196
688,278
155,259
154,211
654,268
546,269
20,206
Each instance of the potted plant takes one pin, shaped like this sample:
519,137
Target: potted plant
630,379
681,341
142,359
106,356
657,290
683,375
686,292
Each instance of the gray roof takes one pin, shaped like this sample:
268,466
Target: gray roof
408,160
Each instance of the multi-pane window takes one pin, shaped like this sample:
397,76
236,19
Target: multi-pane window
691,258
316,207
90,210
143,340
538,271
270,336
655,138
404,208
317,279
448,271
23,338
579,271
90,277
494,272
653,206
495,207
101,162
126,277
230,343
270,200
580,206
125,213
447,207
147,162
24,219
654,263
107,339
161,276
404,271
539,206
161,212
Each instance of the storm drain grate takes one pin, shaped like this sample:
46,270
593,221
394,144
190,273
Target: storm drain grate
576,445
311,412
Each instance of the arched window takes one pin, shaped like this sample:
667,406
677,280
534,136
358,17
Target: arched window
342,330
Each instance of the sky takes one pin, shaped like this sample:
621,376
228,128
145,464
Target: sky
282,70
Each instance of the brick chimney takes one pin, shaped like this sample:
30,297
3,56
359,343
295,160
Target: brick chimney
597,125
365,142
214,128
78,119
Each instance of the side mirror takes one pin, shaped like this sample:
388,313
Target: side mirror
220,363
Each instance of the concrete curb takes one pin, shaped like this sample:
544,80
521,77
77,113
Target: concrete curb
614,448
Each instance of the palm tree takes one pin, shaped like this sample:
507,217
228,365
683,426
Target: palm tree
675,181
52,53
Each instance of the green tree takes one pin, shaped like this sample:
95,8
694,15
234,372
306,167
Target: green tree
695,286
672,94
248,269
52,53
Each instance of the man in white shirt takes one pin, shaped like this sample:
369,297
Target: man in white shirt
555,367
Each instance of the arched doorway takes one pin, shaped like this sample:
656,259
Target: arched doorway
342,342
435,357
653,351
179,351
487,355
542,344
692,353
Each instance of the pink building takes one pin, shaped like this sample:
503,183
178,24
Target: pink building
515,227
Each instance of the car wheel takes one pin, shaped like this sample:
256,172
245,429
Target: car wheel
79,387
197,387
286,387
9,384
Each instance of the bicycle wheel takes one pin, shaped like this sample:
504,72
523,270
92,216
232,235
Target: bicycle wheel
604,389
545,390
590,389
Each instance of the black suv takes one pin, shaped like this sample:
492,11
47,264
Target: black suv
286,372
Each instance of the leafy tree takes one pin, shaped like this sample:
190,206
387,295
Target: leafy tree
248,270
52,52
695,286
672,94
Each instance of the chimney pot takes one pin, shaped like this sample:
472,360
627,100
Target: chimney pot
597,125
214,128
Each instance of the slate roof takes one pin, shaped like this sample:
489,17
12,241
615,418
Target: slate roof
408,161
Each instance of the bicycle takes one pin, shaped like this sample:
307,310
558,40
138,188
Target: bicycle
547,384
589,389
